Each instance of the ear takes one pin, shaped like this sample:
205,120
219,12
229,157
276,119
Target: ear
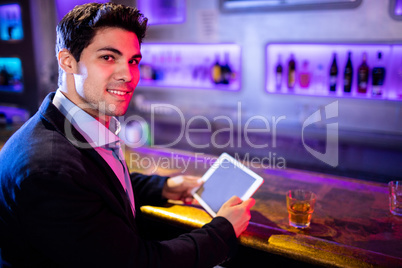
67,61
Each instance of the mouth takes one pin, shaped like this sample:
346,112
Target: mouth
118,92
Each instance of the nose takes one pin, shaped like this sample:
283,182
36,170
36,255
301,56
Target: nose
125,72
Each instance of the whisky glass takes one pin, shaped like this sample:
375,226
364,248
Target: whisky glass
395,197
300,205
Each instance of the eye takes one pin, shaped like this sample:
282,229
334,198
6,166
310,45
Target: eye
134,61
107,57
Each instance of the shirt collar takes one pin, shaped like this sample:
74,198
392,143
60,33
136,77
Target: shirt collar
96,134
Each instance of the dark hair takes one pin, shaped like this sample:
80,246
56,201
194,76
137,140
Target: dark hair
77,29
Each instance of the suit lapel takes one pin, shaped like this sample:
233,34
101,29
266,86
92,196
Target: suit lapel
118,188
54,117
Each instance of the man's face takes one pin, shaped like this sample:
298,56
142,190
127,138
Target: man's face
108,72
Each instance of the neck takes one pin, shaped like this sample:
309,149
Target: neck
75,98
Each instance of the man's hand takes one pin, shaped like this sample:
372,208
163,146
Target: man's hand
237,213
179,188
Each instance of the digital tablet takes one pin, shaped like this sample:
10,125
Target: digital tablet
226,177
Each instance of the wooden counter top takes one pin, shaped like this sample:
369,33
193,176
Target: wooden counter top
351,225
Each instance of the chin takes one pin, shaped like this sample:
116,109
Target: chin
118,112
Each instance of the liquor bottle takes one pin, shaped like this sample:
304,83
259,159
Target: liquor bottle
216,71
169,66
205,70
348,75
178,67
291,72
157,73
278,74
319,80
363,75
333,74
146,71
226,71
159,68
378,74
196,72
305,76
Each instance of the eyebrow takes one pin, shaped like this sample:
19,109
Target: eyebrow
118,52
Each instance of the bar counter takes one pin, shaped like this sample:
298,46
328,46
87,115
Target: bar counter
351,225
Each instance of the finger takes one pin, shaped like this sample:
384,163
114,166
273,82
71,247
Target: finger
187,194
233,201
175,181
188,200
192,181
249,203
190,177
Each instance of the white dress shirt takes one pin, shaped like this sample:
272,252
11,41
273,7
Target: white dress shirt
104,141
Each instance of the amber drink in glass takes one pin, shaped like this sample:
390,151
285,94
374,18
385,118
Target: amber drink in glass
300,205
395,197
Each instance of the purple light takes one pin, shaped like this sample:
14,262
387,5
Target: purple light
63,6
14,115
398,7
163,11
191,66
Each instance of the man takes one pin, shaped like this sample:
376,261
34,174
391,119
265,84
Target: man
66,198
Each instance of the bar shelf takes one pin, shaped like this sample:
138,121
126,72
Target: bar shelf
202,66
313,63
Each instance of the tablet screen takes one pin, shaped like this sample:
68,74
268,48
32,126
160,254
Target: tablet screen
227,180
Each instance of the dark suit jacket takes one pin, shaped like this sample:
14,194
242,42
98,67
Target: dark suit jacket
62,206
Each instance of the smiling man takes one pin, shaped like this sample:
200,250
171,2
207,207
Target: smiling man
113,55
66,196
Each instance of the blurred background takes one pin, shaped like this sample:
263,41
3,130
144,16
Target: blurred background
313,84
